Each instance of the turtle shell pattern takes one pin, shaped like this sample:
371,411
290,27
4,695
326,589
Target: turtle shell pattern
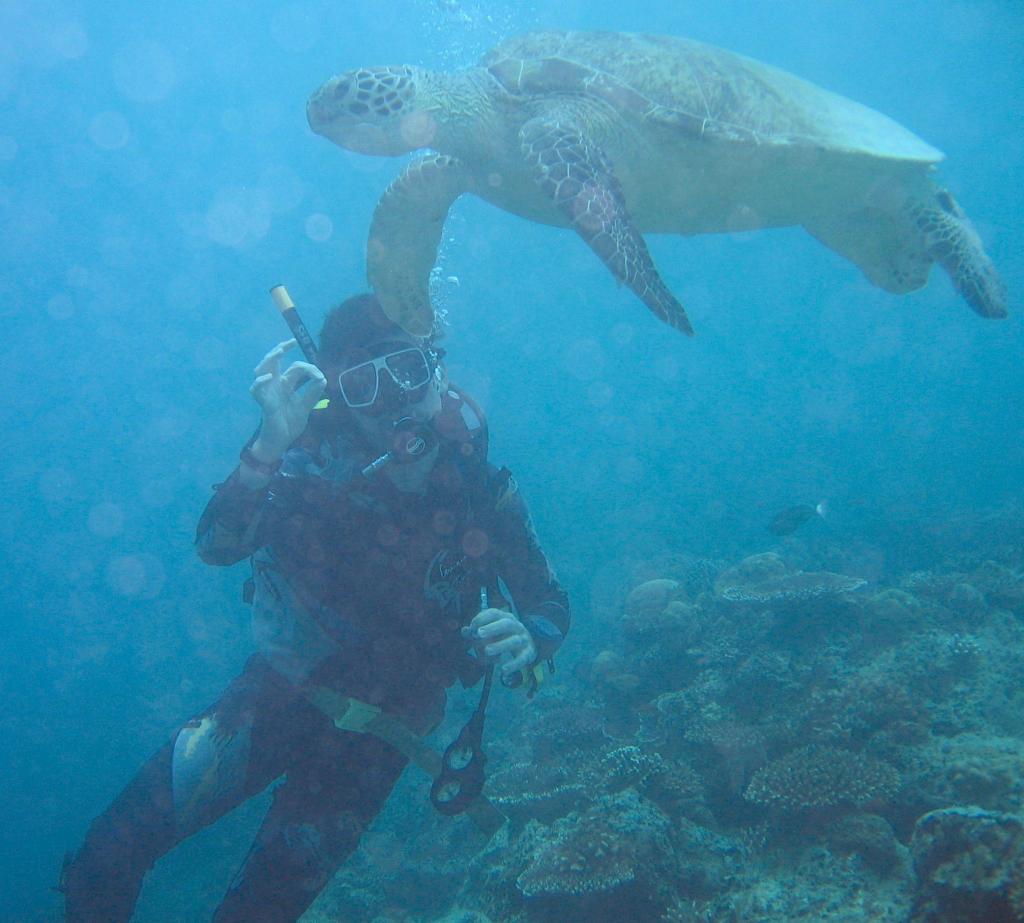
704,91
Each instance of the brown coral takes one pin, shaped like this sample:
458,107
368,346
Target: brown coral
531,790
597,861
650,597
1001,585
820,777
630,766
559,728
791,588
968,862
619,839
763,579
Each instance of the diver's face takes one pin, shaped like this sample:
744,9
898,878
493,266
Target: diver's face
389,382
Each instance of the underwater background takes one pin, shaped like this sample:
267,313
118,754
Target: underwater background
156,178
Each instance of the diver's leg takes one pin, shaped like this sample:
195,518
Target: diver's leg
317,817
101,883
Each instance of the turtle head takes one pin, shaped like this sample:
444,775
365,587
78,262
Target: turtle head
375,110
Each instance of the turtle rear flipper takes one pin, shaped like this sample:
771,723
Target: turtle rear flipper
575,174
405,234
896,248
951,240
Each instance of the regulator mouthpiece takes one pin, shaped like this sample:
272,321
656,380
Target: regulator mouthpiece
411,439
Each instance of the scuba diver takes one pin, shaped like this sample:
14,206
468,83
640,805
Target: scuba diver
389,560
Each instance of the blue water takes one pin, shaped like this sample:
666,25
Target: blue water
157,177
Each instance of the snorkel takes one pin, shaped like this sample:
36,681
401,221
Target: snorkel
411,439
291,317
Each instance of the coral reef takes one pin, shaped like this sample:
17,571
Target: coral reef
814,886
649,598
818,776
872,839
553,730
970,866
980,770
620,839
787,589
768,739
545,791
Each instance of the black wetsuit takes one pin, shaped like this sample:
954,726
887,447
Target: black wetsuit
385,580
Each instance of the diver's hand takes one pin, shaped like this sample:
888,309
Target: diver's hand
500,635
285,403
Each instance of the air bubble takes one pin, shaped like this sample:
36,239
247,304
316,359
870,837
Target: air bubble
238,217
69,40
145,72
60,307
319,227
106,520
136,575
109,131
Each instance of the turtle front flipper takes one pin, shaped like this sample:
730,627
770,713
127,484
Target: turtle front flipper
950,240
576,175
405,234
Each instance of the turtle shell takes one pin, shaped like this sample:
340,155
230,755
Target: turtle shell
700,89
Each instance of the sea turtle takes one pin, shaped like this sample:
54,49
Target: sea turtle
615,134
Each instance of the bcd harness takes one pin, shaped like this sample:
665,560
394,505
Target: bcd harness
350,714
458,774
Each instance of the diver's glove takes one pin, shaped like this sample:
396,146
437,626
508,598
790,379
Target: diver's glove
286,406
546,638
498,635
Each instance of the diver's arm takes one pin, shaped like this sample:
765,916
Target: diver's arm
542,602
229,530
229,527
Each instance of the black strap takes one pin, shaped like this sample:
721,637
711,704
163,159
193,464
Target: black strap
461,779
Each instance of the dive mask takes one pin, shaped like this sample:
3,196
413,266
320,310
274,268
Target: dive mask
409,371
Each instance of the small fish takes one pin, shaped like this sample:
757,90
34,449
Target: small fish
791,518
